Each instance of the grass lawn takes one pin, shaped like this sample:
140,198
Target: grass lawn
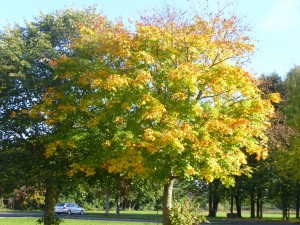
90,218
267,215
32,221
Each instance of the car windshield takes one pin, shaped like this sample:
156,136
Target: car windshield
60,204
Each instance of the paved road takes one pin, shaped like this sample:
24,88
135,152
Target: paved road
21,214
250,222
95,216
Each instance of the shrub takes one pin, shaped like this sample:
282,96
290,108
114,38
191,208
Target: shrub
185,214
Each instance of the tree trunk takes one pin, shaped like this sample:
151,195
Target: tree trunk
167,201
238,204
118,205
210,201
213,199
285,207
49,202
215,204
297,206
231,202
252,202
107,200
259,206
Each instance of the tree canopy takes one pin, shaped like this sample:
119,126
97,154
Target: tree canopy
167,99
25,75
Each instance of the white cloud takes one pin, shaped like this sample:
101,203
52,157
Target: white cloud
284,16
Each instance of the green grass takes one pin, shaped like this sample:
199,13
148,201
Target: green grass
142,215
156,217
267,215
90,218
32,221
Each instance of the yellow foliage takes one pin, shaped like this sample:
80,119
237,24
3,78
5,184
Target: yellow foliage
275,97
190,171
131,163
142,78
97,83
151,147
149,135
12,114
51,148
179,96
156,112
114,82
106,143
75,167
120,120
177,88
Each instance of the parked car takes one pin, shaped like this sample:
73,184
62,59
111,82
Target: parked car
68,208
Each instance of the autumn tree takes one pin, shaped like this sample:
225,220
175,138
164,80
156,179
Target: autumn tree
165,100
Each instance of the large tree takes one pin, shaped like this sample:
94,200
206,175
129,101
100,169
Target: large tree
292,112
25,75
280,170
167,99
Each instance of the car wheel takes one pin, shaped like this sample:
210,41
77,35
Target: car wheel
69,212
81,212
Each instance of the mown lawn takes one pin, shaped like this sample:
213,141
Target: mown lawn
32,221
99,217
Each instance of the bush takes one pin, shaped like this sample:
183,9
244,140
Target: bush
185,214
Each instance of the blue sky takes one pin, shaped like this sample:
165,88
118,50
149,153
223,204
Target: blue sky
275,23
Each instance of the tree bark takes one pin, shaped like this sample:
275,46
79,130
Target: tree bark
213,199
238,204
49,202
231,202
107,200
259,209
252,202
210,201
215,204
297,206
118,205
285,206
284,209
167,201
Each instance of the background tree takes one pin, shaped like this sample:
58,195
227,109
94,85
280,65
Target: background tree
292,89
277,169
25,76
292,111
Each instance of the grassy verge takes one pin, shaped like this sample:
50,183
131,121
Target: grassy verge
137,215
32,221
144,218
